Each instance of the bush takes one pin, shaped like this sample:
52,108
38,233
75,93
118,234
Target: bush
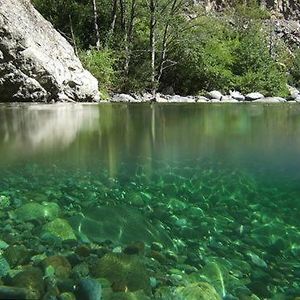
102,65
215,55
254,67
294,72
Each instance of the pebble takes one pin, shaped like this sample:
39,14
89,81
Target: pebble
89,289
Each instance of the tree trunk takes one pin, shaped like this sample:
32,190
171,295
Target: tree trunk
73,36
129,37
113,21
152,7
96,27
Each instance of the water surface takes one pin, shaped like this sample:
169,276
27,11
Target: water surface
220,181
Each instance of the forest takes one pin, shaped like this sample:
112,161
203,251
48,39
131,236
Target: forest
174,46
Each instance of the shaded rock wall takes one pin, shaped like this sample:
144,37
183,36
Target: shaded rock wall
289,9
36,62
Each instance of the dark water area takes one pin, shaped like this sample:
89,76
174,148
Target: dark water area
183,194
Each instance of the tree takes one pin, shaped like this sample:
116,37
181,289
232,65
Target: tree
96,27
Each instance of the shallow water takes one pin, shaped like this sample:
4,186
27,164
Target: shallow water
214,184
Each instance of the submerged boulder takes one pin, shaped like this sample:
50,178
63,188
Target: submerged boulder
36,62
118,224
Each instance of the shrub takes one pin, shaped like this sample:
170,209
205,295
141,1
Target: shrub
294,72
102,65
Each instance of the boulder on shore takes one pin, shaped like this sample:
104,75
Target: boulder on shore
36,62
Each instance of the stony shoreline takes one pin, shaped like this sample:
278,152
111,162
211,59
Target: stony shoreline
211,97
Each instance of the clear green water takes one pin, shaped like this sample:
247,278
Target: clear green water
218,185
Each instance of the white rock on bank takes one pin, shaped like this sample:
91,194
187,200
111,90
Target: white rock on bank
215,95
201,99
294,93
122,98
237,96
254,96
270,100
181,99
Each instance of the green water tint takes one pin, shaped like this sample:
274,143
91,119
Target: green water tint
216,186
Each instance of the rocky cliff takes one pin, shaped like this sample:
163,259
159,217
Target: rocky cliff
36,62
289,9
285,16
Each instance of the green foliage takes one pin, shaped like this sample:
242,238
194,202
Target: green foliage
254,67
215,55
102,65
203,53
294,72
250,11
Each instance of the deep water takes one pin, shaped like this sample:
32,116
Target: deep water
210,192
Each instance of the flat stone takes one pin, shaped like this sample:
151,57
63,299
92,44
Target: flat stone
254,96
129,225
58,228
270,100
180,99
201,99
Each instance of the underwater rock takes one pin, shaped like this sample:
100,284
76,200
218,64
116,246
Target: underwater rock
214,274
3,245
58,228
89,289
138,295
16,255
35,211
197,291
4,202
256,260
4,266
135,248
125,272
8,292
30,278
129,225
67,296
60,265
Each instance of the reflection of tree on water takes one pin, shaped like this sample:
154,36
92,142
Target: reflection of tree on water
146,134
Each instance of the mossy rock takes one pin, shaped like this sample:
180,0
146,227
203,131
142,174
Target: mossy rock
198,291
16,255
62,267
58,228
125,272
32,279
138,295
35,211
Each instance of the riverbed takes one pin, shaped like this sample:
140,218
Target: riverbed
183,195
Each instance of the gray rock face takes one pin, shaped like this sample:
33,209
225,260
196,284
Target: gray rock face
36,62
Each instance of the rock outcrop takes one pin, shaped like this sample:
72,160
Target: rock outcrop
289,9
36,62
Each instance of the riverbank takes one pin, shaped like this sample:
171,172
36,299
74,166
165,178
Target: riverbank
211,97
